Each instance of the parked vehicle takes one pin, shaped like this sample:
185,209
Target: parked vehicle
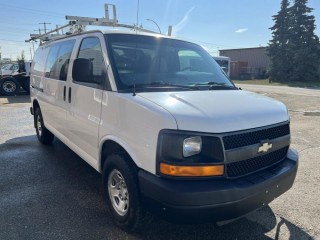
9,69
224,63
170,133
10,83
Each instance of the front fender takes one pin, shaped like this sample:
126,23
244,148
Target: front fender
123,144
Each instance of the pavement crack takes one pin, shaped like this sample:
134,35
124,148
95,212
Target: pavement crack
307,148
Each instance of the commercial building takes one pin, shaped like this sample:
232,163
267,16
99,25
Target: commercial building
247,62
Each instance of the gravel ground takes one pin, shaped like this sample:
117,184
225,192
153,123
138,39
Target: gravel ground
49,193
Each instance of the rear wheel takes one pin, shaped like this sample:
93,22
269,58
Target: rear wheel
121,192
43,134
9,86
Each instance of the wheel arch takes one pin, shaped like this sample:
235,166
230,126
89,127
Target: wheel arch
110,145
35,105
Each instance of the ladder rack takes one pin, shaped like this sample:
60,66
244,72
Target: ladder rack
78,24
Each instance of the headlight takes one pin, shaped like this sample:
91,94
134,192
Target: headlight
183,153
192,146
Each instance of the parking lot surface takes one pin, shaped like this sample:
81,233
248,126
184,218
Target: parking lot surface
48,192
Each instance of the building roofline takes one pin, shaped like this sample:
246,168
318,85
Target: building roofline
232,49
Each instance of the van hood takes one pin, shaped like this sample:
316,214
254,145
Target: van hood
219,111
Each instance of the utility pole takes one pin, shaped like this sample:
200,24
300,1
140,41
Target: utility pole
45,26
38,30
30,53
33,47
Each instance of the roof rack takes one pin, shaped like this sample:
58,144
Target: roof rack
78,24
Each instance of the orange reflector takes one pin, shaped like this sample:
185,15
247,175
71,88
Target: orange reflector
191,171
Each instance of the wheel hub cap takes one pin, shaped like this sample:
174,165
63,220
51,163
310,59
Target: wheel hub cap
9,86
39,125
118,192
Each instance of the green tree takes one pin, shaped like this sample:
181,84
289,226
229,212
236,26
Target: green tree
294,50
278,50
303,43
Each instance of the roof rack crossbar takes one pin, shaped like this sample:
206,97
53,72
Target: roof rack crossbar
46,35
77,24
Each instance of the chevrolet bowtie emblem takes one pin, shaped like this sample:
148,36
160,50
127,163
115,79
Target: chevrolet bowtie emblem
265,147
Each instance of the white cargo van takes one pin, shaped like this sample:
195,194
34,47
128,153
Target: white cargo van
170,133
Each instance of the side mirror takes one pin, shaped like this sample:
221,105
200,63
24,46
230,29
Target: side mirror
82,71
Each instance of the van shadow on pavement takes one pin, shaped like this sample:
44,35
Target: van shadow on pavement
48,192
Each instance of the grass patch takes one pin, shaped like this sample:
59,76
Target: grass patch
290,84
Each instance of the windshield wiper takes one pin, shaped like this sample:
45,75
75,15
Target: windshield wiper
161,84
215,85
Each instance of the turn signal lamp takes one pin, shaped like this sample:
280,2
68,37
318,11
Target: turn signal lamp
191,171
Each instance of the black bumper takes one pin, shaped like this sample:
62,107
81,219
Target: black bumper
217,199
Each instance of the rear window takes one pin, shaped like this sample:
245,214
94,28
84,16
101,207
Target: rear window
39,61
58,60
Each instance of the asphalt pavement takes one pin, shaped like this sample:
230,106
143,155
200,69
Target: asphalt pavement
48,192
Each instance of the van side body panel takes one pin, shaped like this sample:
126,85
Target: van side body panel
135,126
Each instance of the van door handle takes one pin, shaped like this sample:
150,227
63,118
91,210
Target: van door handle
69,95
64,93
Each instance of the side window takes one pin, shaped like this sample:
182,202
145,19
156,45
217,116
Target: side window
39,61
58,60
91,49
14,67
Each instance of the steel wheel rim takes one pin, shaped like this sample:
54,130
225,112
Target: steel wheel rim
9,86
118,192
39,128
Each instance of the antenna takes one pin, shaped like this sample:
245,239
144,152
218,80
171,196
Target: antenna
138,12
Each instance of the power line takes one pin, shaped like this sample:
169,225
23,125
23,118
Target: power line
208,43
11,44
38,30
17,33
45,26
1,39
15,24
15,29
33,10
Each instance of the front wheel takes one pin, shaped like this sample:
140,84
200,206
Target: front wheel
43,134
121,192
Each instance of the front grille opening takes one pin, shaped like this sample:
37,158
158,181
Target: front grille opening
254,137
251,165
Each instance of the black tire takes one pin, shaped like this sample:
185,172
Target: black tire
133,217
43,134
9,86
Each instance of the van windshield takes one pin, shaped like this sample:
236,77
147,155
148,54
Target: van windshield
147,63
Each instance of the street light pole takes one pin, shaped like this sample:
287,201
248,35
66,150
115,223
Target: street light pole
155,24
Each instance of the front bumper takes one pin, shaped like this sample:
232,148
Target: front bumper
192,201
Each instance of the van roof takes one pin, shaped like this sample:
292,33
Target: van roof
113,31
134,32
